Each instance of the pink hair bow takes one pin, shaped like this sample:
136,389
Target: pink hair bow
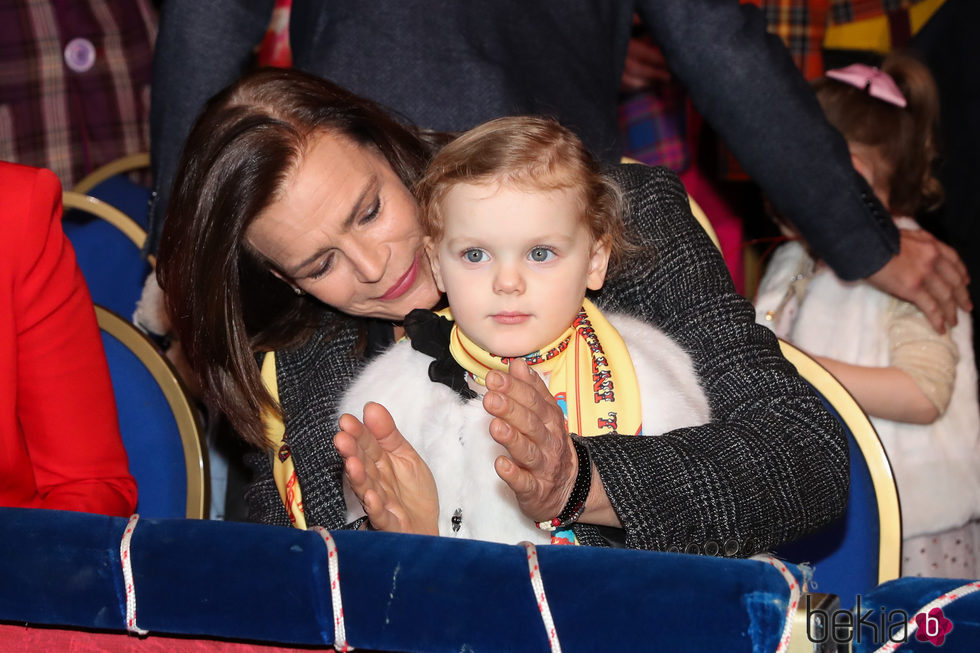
876,82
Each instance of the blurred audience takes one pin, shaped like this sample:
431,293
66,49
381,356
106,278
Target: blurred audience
75,91
448,65
658,126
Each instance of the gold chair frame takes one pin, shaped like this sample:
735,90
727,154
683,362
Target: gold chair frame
882,477
191,438
111,169
105,211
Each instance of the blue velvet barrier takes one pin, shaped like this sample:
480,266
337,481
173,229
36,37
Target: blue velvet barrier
400,592
891,601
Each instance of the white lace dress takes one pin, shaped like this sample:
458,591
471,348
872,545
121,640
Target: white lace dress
937,466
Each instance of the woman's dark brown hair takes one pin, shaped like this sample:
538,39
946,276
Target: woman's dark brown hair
904,137
224,303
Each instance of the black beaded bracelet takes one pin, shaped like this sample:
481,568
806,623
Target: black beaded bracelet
580,492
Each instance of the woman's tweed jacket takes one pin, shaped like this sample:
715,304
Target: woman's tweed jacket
772,465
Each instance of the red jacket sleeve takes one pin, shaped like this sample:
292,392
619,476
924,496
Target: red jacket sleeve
59,432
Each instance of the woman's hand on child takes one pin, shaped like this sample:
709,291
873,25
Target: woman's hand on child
542,465
528,422
392,482
929,274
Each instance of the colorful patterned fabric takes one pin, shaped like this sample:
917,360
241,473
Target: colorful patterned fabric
283,469
880,32
848,11
653,127
802,24
75,82
274,49
590,372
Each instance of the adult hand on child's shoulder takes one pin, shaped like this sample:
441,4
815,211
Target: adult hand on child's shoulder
929,274
392,482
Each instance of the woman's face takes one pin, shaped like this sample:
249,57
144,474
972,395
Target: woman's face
346,231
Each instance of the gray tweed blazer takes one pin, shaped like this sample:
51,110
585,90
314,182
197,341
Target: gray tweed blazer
771,466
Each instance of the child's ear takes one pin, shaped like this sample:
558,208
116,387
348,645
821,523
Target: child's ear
432,254
598,264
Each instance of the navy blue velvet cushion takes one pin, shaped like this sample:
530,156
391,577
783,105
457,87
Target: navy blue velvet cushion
149,433
909,595
400,592
112,264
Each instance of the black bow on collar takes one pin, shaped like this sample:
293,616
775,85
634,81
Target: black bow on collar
429,334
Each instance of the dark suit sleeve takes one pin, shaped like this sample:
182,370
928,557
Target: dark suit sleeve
744,82
772,464
201,48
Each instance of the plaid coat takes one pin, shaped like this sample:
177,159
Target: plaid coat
802,24
75,83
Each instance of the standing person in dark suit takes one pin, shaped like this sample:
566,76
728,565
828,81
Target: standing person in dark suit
449,65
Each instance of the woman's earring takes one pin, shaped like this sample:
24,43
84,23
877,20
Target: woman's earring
297,290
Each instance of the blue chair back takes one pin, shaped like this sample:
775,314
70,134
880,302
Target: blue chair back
863,549
129,197
111,183
107,245
158,425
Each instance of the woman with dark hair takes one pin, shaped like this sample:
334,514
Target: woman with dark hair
292,228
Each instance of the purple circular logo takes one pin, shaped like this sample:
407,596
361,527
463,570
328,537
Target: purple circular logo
80,55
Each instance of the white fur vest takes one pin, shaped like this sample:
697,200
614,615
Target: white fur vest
452,434
936,465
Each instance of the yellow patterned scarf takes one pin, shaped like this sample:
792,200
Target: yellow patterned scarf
283,469
592,375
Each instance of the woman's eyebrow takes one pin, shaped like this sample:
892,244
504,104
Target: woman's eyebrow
367,189
294,272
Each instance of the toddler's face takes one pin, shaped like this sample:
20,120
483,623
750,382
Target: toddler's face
515,264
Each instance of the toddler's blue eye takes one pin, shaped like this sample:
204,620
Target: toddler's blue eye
541,254
475,255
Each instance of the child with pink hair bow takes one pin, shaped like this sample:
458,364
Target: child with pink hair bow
918,387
